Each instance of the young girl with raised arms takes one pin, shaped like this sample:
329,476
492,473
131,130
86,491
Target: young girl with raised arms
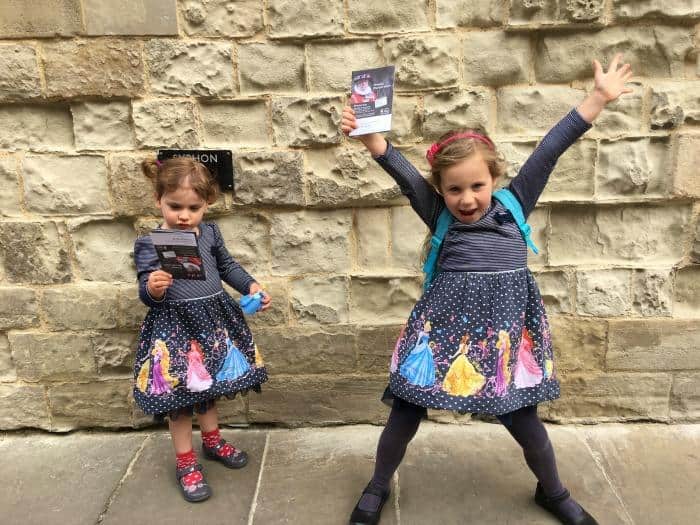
194,345
478,339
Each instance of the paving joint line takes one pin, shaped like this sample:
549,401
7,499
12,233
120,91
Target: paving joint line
254,503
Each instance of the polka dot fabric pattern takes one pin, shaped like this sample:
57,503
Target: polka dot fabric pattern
476,342
194,350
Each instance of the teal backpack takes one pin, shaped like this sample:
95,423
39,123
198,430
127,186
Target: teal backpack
509,202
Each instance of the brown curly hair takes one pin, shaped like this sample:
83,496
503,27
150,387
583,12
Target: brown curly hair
170,174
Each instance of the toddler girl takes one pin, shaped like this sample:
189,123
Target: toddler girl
194,345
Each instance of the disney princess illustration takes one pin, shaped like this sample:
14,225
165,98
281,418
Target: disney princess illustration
198,378
462,379
526,372
235,364
419,368
159,368
394,364
502,370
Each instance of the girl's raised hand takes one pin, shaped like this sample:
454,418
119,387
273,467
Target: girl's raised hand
611,84
348,121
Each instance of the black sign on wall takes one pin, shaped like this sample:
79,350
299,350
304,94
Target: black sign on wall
218,161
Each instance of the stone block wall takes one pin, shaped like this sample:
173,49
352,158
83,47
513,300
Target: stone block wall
89,88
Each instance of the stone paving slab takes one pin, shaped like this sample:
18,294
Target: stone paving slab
62,478
477,474
149,493
655,469
315,476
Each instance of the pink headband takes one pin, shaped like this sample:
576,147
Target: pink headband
436,147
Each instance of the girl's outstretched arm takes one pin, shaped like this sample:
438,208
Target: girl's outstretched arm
374,142
608,87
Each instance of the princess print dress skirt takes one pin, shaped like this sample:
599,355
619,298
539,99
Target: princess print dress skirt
195,346
476,342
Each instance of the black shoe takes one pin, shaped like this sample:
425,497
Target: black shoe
367,517
552,505
195,492
238,459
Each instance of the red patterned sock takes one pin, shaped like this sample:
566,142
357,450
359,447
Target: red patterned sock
185,460
212,438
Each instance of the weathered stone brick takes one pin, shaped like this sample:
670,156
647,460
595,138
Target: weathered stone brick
269,68
35,128
320,300
612,397
635,166
534,109
147,17
131,192
687,292
603,293
579,343
656,9
23,406
8,373
101,68
343,177
424,63
80,307
408,232
100,404
469,13
495,58
573,176
18,308
37,18
242,234
241,123
330,63
394,297
642,234
308,351
34,252
203,69
448,110
389,16
532,12
622,116
406,120
19,72
131,311
59,356
685,396
652,293
270,178
66,185
102,125
104,250
675,104
374,347
222,17
656,51
115,352
652,345
539,222
556,291
317,400
306,122
686,180
581,10
165,124
9,187
310,242
695,247
305,18
372,237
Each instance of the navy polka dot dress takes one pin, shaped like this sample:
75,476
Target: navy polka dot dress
478,340
194,344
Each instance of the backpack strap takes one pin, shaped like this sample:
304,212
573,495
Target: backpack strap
430,266
511,203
